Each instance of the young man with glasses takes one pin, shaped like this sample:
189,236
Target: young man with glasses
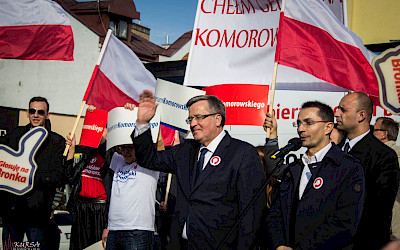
30,213
381,169
217,177
321,195
131,213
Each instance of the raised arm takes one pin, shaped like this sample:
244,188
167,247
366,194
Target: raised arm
147,107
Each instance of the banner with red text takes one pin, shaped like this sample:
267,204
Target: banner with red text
93,128
245,104
234,42
18,168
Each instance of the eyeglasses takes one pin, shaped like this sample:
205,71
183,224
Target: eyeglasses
378,129
129,148
33,111
198,118
306,123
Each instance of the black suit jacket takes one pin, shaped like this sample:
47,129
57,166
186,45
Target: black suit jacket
211,204
381,171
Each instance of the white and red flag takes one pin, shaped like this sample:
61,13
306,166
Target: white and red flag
35,30
118,78
313,40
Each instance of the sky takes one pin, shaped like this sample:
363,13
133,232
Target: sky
166,17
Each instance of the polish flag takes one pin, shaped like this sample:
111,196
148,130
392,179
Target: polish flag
313,40
118,78
35,30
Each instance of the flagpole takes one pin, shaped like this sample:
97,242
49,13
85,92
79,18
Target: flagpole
167,189
75,125
160,146
175,142
273,85
103,49
272,96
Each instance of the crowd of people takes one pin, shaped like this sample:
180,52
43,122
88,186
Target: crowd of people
343,193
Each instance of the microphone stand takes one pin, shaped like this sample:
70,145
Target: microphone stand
244,212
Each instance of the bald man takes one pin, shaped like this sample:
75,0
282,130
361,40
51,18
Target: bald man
380,169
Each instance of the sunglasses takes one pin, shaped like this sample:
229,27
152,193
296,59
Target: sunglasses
33,111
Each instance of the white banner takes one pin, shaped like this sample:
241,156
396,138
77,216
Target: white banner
121,123
172,98
234,42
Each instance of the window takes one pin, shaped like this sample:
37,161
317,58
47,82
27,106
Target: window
123,29
119,28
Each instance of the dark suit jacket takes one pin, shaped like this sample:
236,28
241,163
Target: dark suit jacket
325,218
212,204
381,169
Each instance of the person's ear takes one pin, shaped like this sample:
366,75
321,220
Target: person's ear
328,127
362,115
385,135
218,119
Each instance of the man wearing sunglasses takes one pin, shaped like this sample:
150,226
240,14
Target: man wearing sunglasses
30,213
217,177
321,196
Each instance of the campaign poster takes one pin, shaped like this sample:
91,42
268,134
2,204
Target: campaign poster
93,128
121,123
18,168
172,98
245,104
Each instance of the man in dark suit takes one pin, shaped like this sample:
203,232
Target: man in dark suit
380,169
214,187
320,199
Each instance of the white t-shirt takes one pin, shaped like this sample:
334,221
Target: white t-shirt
133,196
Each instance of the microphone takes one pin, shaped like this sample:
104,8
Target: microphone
294,144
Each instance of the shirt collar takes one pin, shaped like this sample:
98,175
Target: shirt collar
317,157
355,140
215,142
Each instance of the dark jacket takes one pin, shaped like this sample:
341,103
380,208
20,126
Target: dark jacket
326,217
381,170
34,207
211,204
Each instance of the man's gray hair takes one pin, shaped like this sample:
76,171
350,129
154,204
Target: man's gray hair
390,126
215,105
